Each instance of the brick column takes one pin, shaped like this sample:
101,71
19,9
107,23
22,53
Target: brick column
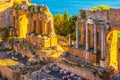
77,36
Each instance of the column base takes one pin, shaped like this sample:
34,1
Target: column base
77,46
102,63
70,45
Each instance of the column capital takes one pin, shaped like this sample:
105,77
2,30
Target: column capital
90,21
101,21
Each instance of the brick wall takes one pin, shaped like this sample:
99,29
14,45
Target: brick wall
86,73
9,74
85,55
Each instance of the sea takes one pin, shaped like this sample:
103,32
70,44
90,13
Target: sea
73,6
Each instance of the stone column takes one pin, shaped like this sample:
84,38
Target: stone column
102,61
70,40
77,36
87,37
95,38
102,41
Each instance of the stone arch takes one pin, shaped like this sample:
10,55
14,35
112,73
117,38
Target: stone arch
34,25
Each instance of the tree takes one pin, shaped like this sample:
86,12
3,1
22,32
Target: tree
83,14
63,24
29,1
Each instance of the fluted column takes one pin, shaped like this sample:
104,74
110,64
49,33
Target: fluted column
77,36
70,40
87,37
95,38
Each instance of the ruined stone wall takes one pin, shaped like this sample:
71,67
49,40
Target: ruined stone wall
85,55
82,26
44,41
5,9
9,73
38,21
5,18
91,35
23,51
86,73
113,17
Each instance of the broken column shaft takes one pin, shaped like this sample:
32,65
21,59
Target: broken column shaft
70,40
77,36
87,37
102,41
95,38
102,61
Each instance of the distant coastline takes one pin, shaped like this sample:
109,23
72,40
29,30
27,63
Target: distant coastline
73,6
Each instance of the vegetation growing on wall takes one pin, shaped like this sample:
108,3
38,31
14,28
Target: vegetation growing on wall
101,8
82,14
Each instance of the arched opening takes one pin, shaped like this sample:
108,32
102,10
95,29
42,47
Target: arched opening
48,27
5,78
113,40
84,37
34,26
97,38
23,24
40,27
89,39
13,21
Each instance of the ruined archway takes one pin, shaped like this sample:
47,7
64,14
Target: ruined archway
112,39
23,23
